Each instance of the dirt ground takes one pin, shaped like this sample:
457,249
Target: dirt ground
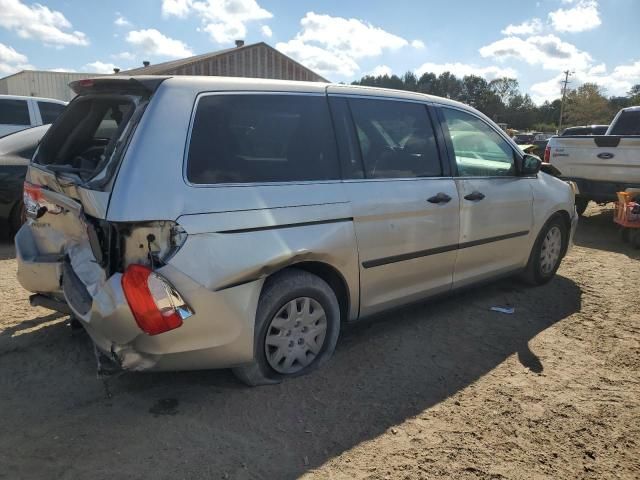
447,389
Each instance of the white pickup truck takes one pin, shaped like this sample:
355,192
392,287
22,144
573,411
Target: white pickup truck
600,165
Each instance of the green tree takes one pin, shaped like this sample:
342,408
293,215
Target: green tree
587,105
634,95
505,88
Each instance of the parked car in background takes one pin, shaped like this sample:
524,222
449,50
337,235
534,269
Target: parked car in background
235,222
585,130
600,165
18,113
524,138
16,149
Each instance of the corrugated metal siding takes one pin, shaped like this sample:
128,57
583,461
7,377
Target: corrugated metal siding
42,84
257,62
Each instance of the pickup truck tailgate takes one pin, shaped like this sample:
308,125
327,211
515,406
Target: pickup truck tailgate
602,158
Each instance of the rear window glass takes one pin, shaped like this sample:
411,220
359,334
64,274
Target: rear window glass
628,123
86,134
49,111
261,138
396,139
14,112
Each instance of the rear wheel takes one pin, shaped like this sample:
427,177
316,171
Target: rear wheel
547,252
581,205
297,327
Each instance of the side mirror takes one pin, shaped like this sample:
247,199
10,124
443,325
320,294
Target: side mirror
530,164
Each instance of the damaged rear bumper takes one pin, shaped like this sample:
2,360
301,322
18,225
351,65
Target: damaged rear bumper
220,334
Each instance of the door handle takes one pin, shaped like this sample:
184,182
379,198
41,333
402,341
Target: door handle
474,196
439,198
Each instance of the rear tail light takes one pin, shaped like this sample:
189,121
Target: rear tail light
155,303
35,205
547,154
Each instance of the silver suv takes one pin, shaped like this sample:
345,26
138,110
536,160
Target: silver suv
209,222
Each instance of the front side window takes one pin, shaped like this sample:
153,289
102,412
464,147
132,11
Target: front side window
396,139
49,111
478,148
14,112
262,138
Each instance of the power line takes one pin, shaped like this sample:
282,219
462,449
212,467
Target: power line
565,82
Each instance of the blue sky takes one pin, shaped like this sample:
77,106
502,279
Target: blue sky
534,41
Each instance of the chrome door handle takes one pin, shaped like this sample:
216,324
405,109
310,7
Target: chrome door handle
474,196
439,198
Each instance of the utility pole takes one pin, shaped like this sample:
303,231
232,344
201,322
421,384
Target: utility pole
565,82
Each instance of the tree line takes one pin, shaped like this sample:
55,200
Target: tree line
502,100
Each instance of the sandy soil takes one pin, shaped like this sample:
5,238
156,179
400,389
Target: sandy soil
444,390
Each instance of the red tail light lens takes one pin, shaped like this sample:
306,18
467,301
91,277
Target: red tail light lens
32,195
547,154
156,305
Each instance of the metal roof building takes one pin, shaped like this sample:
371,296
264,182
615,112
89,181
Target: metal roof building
39,83
257,60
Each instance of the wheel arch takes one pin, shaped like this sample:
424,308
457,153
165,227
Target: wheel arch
566,219
332,276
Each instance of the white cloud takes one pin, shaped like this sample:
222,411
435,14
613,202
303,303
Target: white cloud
152,42
616,82
62,70
176,8
11,61
39,22
319,59
462,69
121,21
381,70
584,16
266,31
419,44
224,20
99,67
124,56
331,45
547,51
528,27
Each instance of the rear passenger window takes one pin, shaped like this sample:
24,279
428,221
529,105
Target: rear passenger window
14,112
261,138
396,139
49,111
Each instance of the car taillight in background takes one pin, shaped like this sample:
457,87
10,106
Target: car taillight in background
155,303
547,154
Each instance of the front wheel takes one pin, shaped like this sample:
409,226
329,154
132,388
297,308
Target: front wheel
547,252
296,330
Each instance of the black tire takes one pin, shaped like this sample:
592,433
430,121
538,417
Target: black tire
17,217
581,205
280,289
534,274
634,238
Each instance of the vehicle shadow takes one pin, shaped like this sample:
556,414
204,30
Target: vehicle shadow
598,230
207,425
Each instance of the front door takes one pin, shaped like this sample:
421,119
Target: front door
496,204
405,210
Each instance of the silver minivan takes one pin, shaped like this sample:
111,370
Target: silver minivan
210,222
